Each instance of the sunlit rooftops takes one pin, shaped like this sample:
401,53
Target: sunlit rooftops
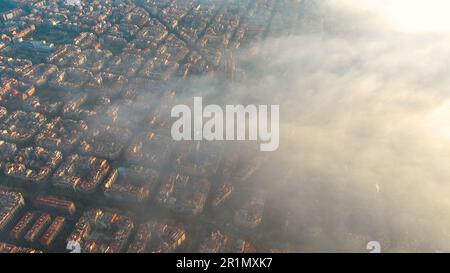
33,164
105,141
132,184
183,193
154,31
10,204
150,149
106,83
39,74
14,92
125,64
3,113
61,134
80,174
7,151
157,237
96,59
83,106
21,126
99,231
64,55
71,79
48,105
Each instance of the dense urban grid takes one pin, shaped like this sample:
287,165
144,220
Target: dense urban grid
85,150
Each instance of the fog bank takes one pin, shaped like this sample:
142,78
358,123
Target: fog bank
365,113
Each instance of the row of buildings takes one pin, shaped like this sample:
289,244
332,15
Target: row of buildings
98,230
157,237
39,226
10,205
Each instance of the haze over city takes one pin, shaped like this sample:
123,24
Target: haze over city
87,157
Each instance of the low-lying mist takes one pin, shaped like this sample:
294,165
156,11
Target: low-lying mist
365,116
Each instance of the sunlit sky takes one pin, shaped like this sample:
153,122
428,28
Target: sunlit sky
439,120
407,15
412,17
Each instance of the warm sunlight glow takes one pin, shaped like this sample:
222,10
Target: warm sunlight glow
439,120
406,15
419,15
